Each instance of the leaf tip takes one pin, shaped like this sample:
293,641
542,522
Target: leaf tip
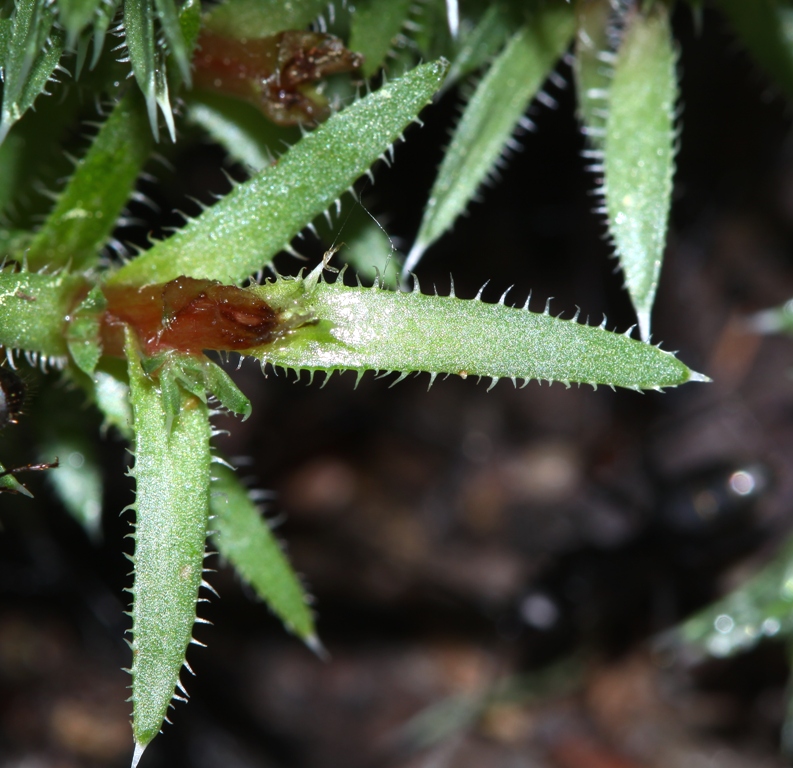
643,316
138,753
695,376
314,644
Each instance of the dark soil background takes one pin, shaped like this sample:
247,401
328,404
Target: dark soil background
491,570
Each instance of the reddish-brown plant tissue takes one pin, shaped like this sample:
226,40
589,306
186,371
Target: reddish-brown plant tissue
274,73
188,315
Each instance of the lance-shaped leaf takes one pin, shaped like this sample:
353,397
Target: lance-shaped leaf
244,538
593,67
172,478
764,28
365,329
33,51
78,479
760,608
482,43
148,62
31,159
179,373
490,118
33,310
178,45
243,232
373,28
246,135
75,15
639,154
260,18
102,19
87,210
109,391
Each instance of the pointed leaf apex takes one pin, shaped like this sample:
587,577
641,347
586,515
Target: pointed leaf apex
137,754
695,376
643,316
314,644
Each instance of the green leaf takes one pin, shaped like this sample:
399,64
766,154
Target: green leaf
6,28
373,28
172,477
12,168
369,251
76,15
174,36
105,15
196,375
33,52
639,154
12,485
244,538
111,396
260,18
13,241
592,67
87,210
32,159
364,329
490,118
148,62
481,44
190,26
78,479
761,607
774,320
34,308
83,332
766,29
241,129
244,231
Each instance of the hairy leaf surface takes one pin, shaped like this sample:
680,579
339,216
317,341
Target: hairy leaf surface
244,231
33,51
75,15
374,26
172,479
761,607
87,210
593,66
178,46
244,538
245,134
479,45
33,310
372,329
639,154
102,20
148,60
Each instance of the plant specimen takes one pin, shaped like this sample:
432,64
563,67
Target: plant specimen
132,330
